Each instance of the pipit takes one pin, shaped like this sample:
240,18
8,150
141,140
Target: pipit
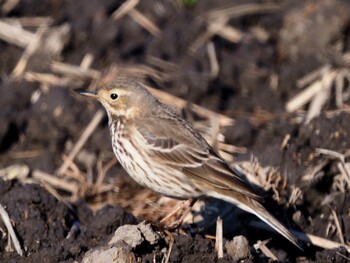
161,151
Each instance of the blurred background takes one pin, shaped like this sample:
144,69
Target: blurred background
266,83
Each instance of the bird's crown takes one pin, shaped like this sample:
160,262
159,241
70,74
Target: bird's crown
123,97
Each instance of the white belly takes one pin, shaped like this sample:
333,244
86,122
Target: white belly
144,171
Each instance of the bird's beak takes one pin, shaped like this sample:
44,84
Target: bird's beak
89,94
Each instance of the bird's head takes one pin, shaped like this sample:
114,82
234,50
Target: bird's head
123,98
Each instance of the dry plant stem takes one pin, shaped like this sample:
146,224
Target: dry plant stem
74,171
219,18
347,258
129,8
219,243
53,191
35,21
70,187
230,34
285,142
171,243
180,103
321,97
181,207
339,87
8,6
345,173
178,223
337,224
6,219
82,140
319,241
274,81
74,71
312,76
240,10
294,196
28,52
143,21
124,9
342,167
26,154
140,71
15,34
158,62
82,72
311,173
307,94
305,237
331,153
261,245
101,176
231,148
213,28
73,232
214,64
215,130
184,209
46,79
140,204
87,61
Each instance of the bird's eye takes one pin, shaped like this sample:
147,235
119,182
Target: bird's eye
114,96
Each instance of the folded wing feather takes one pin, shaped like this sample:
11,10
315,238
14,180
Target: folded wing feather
193,156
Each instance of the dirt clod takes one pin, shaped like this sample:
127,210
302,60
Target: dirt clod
238,248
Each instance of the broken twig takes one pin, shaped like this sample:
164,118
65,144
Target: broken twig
82,140
219,238
6,219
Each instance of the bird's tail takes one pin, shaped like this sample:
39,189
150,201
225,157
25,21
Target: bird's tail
252,206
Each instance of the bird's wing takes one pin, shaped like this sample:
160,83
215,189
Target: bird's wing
175,143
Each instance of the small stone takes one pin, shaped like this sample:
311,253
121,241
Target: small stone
148,233
238,248
109,254
130,234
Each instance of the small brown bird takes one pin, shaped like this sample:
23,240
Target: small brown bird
161,151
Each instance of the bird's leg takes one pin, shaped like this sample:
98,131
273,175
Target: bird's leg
185,207
170,242
178,223
175,211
